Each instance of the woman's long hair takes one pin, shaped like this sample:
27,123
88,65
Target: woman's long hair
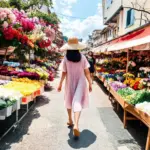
73,55
90,53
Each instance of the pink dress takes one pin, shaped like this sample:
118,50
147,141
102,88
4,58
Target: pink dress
76,90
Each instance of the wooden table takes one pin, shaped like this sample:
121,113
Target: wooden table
137,114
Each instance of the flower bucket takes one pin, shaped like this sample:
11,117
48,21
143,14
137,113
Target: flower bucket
6,112
9,111
19,103
14,107
3,114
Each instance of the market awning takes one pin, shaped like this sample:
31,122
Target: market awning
94,49
105,47
135,40
129,44
102,48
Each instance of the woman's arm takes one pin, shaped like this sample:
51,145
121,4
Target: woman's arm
88,76
61,81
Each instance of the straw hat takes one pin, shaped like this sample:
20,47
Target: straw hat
73,44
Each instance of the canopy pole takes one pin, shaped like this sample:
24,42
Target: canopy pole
5,55
127,69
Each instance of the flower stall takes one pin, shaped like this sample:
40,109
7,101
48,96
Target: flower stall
28,58
126,74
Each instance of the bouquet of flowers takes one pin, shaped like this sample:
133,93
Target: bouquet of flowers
16,37
50,33
128,75
6,17
117,85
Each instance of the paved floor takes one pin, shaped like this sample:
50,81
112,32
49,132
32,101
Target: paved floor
44,128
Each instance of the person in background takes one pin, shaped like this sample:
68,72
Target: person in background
75,69
92,63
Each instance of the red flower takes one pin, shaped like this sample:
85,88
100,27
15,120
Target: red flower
18,35
136,85
27,25
24,39
44,43
9,33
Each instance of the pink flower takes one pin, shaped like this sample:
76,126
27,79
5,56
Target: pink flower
19,15
12,17
3,15
35,20
133,64
22,11
27,25
50,33
5,24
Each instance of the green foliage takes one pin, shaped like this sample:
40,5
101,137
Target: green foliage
40,53
16,3
50,18
21,51
4,4
25,5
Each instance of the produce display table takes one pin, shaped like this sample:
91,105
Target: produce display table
5,77
138,114
102,79
24,101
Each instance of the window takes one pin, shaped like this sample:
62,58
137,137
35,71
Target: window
109,2
130,17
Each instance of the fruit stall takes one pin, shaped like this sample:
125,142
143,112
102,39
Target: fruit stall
126,75
29,59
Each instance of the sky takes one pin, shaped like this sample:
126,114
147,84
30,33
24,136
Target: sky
79,17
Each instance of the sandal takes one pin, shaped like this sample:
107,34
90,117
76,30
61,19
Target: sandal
76,132
70,124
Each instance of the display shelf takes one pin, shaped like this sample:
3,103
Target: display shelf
15,108
17,121
5,77
130,109
117,97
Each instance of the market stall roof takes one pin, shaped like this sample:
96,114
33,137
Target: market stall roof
105,47
131,40
94,49
129,44
102,48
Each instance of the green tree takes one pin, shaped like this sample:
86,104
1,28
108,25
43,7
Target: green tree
4,4
27,4
50,18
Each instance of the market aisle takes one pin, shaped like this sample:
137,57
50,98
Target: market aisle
45,126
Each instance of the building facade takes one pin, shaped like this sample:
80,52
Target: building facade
96,37
89,43
126,14
120,18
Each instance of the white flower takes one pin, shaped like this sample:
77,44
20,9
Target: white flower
5,24
12,17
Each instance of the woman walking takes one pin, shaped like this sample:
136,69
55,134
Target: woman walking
75,70
92,62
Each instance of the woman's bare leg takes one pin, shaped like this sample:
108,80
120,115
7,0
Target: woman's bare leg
92,77
69,115
76,119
